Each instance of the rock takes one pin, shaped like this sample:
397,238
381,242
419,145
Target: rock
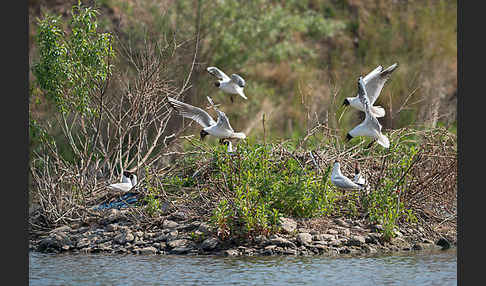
124,237
148,235
210,243
344,232
169,224
281,241
418,246
102,247
373,238
368,249
82,243
178,216
340,222
129,237
64,228
188,227
204,228
288,225
261,240
319,242
324,236
336,242
245,250
356,240
114,215
112,227
444,243
160,245
319,247
332,231
180,250
231,252
304,238
177,243
57,241
148,250
426,241
344,250
289,251
271,247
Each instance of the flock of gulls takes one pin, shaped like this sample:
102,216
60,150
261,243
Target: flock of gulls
369,88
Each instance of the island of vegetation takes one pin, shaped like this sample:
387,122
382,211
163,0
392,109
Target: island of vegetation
100,79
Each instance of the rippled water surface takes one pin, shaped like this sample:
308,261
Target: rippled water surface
418,268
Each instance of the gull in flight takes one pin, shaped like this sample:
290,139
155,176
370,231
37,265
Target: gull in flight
341,181
220,128
231,85
374,82
129,180
370,126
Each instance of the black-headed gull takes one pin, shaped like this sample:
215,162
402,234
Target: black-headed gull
229,147
129,180
341,181
374,82
232,85
220,128
370,126
358,178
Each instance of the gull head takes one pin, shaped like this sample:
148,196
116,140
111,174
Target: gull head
203,134
217,83
346,102
348,137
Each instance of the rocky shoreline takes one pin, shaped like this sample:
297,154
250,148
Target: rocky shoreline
177,234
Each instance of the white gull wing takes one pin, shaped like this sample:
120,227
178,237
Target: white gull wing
195,113
238,80
363,97
218,73
372,73
223,121
375,83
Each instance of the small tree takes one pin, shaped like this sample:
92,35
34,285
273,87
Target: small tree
72,66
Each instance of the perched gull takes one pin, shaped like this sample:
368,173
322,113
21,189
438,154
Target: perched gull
374,82
231,85
341,181
229,145
220,128
358,179
370,126
129,180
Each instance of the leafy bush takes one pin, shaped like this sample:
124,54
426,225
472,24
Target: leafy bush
73,65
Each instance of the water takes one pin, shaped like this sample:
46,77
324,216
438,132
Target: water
420,268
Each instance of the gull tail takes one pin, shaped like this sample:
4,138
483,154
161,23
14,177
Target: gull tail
242,95
378,111
383,141
239,135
